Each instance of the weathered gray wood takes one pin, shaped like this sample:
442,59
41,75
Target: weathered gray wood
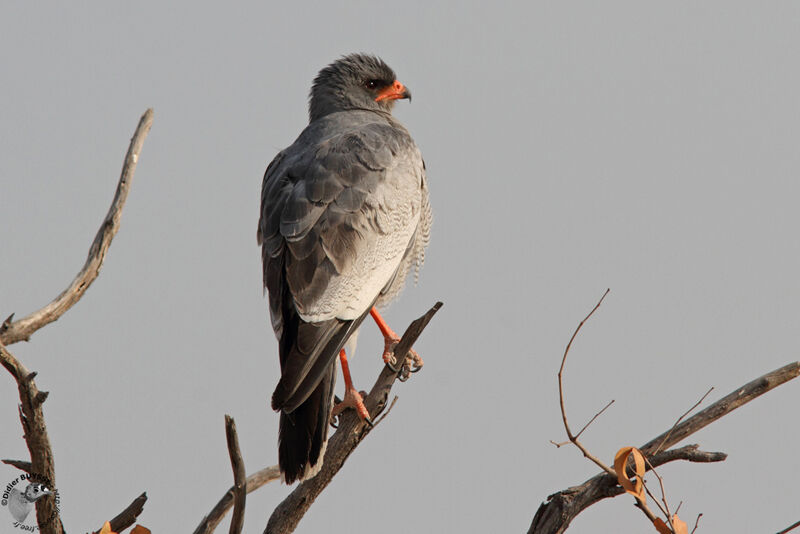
21,330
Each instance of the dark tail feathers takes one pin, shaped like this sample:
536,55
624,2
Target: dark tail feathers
303,433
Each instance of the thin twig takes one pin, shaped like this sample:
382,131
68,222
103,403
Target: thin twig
664,509
239,476
641,505
687,412
562,443
22,329
653,497
593,418
572,437
697,523
254,481
387,412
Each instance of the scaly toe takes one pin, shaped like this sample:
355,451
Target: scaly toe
352,399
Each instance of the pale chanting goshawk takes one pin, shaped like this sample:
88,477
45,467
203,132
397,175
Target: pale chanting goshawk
344,218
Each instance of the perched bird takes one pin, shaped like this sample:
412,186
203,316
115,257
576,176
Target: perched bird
20,503
344,218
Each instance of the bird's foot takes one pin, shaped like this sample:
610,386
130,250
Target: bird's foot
352,399
413,362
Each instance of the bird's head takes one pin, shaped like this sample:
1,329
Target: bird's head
36,491
357,81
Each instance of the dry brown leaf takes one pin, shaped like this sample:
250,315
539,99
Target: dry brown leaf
661,527
680,526
139,529
621,467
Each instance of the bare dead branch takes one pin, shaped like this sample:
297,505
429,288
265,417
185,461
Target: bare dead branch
128,516
22,329
22,465
784,531
722,407
254,481
555,515
351,432
239,476
42,466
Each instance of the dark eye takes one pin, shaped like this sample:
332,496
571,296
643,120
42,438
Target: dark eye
371,84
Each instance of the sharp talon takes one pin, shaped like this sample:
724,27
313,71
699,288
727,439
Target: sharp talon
369,422
352,399
415,369
392,367
335,422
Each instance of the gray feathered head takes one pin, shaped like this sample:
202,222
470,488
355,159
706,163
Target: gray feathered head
357,81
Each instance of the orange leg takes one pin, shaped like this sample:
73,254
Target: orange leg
390,339
352,398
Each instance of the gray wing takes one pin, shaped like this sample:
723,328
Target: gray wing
338,215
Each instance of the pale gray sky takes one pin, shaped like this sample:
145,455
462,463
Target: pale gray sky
570,147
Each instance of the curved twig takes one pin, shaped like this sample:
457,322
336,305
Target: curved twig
254,481
572,437
22,329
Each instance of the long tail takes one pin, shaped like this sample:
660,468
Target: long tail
303,433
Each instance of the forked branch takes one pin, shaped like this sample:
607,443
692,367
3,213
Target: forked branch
350,433
254,481
41,466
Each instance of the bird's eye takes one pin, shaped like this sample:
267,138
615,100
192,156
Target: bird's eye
371,84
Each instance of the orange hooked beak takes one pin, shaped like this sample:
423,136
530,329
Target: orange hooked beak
395,91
